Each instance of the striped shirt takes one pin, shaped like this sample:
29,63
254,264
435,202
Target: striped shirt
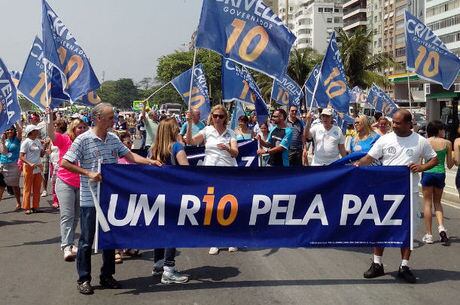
88,149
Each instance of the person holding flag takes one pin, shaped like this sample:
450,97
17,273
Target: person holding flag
196,124
221,147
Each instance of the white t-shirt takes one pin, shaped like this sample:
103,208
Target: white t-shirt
326,144
32,150
402,151
213,155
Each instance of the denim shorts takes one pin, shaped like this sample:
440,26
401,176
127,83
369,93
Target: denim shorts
433,179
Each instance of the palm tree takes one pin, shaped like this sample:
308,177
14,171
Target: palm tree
361,67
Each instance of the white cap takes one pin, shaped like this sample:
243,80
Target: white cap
327,111
30,128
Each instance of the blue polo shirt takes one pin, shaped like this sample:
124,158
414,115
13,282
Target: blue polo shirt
88,149
280,137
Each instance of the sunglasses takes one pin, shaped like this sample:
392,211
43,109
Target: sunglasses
220,116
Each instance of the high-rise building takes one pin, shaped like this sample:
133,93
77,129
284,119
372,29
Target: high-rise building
273,4
354,15
374,24
312,21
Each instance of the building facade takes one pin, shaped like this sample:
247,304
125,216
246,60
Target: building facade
354,15
312,21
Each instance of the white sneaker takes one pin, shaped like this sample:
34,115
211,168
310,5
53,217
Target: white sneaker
68,255
44,194
213,251
232,249
427,239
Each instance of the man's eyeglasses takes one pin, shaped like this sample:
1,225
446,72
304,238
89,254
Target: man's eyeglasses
220,116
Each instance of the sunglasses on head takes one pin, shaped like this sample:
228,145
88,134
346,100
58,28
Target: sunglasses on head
220,116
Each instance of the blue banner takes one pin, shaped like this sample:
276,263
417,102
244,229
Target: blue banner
381,102
286,92
10,111
246,207
63,52
343,120
200,96
247,154
357,95
321,99
15,77
333,82
248,32
238,85
427,55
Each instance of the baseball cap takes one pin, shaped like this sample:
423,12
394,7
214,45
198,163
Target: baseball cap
327,111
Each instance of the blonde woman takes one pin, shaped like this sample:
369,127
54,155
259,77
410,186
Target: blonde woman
365,137
169,151
67,186
221,147
433,181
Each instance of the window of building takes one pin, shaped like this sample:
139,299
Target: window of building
336,10
441,8
328,9
337,20
329,20
444,23
320,9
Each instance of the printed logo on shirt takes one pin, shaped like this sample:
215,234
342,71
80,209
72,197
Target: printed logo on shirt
96,154
391,150
410,152
336,133
358,148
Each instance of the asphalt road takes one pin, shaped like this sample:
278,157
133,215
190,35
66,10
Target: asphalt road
32,271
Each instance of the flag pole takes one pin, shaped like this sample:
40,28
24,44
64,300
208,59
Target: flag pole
408,92
314,90
191,78
48,118
156,91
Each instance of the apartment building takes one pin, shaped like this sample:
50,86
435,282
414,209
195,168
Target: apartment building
354,15
375,24
312,21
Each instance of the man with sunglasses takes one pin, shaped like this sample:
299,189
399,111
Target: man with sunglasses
278,141
298,139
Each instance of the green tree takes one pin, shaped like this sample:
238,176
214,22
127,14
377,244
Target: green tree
120,93
361,66
172,65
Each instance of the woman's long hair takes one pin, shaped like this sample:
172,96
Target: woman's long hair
71,127
166,136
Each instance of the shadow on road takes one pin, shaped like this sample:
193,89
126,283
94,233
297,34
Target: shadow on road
19,222
50,241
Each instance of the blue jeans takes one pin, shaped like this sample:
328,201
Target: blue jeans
88,229
167,254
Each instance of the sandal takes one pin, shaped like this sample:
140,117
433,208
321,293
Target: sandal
28,212
118,258
18,208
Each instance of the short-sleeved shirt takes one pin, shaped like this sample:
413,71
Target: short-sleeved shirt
88,149
326,144
176,147
213,155
280,137
32,150
13,146
402,151
195,128
63,143
363,145
151,129
297,134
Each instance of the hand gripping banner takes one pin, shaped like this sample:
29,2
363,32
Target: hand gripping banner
181,206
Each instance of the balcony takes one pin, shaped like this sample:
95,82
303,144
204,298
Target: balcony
353,25
355,12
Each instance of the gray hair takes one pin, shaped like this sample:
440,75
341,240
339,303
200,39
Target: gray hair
99,108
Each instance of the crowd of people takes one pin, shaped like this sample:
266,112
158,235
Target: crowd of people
68,148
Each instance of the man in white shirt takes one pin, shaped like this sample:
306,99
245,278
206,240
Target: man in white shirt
329,142
407,148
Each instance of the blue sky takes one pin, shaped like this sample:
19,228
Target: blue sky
123,38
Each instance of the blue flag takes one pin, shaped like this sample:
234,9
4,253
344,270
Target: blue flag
63,52
32,82
248,32
200,96
427,55
16,76
356,95
10,111
333,81
237,112
238,85
286,92
321,99
343,120
381,101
